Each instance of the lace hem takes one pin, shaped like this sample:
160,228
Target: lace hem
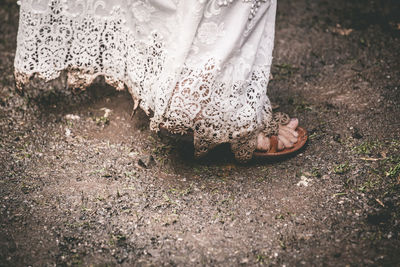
242,139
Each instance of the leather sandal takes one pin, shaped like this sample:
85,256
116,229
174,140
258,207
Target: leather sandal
274,152
271,132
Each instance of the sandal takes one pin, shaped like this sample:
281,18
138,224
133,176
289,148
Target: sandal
274,152
279,118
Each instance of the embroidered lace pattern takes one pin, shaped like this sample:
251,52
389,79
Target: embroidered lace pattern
186,62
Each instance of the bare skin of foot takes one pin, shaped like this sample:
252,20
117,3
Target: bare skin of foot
287,137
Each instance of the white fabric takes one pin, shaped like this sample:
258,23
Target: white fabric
200,65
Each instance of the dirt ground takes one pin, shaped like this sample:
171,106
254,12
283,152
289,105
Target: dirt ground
104,191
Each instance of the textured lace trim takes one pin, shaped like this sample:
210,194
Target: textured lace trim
201,98
210,127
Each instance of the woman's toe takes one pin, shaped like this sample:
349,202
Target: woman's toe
285,141
281,146
294,122
289,134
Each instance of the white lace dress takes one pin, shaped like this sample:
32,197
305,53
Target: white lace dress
195,65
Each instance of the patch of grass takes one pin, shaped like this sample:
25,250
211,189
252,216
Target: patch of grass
367,147
300,104
70,123
101,121
181,192
227,201
261,259
395,144
342,168
262,178
368,185
102,170
129,174
168,200
84,209
283,71
313,135
217,217
282,244
26,189
162,149
100,198
316,172
394,171
201,170
392,160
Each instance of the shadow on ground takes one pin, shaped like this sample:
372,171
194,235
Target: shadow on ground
78,187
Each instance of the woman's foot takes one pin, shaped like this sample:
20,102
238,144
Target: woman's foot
287,137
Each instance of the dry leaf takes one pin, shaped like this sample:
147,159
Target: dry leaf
343,32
